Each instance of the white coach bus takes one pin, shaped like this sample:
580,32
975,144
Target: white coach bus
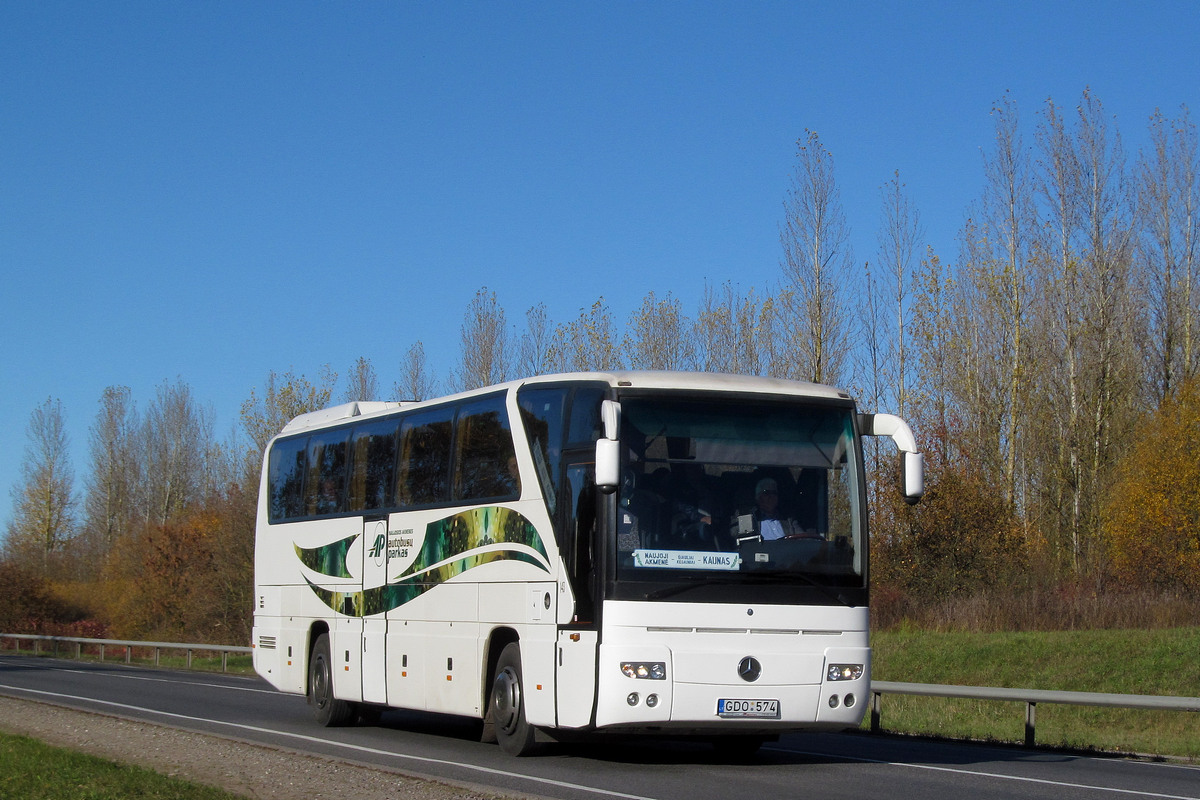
672,553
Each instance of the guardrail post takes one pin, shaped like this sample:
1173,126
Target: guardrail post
876,703
156,652
102,652
128,655
224,660
1030,722
189,658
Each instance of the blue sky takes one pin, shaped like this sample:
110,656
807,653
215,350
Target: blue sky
209,191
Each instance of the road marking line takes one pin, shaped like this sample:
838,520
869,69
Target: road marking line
359,748
1044,781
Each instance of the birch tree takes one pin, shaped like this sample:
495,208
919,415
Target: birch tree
816,266
43,501
1169,205
484,335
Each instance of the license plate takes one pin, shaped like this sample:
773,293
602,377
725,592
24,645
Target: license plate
748,709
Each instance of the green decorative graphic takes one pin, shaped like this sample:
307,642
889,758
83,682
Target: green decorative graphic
452,546
328,560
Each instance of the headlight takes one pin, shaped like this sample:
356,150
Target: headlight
844,672
648,670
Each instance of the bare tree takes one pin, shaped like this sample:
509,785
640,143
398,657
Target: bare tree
1169,205
44,502
283,398
1088,318
732,332
115,470
361,382
415,381
659,335
484,343
816,265
534,348
588,342
177,438
899,239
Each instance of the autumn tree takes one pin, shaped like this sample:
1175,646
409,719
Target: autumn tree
1152,514
43,502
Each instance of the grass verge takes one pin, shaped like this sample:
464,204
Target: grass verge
1148,662
31,770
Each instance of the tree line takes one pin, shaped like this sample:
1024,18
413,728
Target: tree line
1049,369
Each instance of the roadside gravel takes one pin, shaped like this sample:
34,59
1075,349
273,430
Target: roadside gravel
249,770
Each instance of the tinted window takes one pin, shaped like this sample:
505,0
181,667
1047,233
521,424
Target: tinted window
586,426
372,481
425,458
542,415
325,489
286,479
487,463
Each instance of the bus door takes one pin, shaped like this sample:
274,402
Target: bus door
374,638
577,641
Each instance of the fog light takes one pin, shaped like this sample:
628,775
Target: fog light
632,699
833,701
844,672
651,700
849,701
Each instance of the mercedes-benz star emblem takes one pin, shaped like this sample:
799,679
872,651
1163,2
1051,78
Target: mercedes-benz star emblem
749,669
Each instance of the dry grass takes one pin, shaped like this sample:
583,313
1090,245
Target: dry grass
1061,608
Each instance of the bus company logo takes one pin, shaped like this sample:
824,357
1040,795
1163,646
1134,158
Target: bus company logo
378,548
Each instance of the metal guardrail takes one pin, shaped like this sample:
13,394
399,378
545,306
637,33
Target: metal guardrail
1030,697
158,647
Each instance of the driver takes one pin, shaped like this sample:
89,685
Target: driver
766,521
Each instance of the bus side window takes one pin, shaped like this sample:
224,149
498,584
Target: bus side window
485,459
423,476
586,425
286,483
542,415
325,489
372,480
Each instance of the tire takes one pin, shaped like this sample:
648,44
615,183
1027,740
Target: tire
328,710
506,707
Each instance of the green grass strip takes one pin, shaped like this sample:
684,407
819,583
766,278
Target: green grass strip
1147,662
31,770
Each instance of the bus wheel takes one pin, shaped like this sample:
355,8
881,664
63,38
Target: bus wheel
507,705
328,710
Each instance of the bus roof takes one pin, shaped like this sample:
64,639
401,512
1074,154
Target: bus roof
635,379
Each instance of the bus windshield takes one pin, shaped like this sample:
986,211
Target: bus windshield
721,492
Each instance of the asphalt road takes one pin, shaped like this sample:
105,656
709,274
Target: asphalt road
799,765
